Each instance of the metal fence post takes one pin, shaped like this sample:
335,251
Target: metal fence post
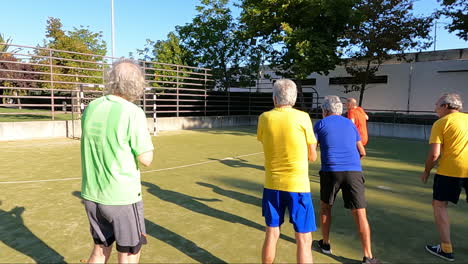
205,92
155,124
52,102
144,90
177,90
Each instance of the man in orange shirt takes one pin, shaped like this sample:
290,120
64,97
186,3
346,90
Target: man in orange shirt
358,116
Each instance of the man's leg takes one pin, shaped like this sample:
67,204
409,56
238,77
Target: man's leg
304,243
363,228
325,221
442,221
269,246
129,258
100,254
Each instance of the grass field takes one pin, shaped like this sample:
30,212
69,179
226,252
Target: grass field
18,115
202,201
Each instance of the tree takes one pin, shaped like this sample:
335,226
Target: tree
163,52
457,10
80,40
384,28
216,41
14,74
306,33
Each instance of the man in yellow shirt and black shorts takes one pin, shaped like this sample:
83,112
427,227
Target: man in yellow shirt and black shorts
288,144
448,146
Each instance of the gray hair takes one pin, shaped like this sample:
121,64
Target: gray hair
451,100
285,92
332,104
125,78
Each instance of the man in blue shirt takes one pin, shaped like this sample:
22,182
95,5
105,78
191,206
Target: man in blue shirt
341,150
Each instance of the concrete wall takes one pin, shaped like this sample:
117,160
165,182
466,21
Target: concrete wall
421,132
61,129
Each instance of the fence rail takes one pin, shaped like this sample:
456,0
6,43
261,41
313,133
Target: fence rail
60,81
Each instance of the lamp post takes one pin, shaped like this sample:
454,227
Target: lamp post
435,32
112,29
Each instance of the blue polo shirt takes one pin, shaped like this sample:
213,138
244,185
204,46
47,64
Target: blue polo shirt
337,137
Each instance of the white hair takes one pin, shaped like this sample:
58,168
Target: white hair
451,100
332,104
285,92
125,78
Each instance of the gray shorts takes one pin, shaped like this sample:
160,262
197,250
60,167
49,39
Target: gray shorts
124,224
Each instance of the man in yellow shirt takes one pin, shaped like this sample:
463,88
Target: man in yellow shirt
448,146
288,144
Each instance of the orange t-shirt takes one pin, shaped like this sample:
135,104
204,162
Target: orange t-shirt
360,121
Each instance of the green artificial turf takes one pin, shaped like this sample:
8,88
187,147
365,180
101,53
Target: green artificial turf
31,115
202,204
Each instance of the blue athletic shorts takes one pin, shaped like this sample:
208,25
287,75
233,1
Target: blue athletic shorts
300,207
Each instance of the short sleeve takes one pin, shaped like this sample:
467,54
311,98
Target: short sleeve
351,114
316,129
309,131
140,139
437,132
260,127
358,137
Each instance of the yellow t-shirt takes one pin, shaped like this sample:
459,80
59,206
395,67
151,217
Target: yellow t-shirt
451,131
285,134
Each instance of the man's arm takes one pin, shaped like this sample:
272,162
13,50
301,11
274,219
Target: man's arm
146,158
361,149
312,149
431,160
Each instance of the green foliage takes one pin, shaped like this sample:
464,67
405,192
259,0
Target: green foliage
216,41
81,40
457,10
305,32
161,53
382,28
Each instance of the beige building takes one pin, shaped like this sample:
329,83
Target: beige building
400,85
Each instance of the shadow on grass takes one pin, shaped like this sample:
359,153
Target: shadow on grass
17,236
241,197
182,244
238,131
177,241
238,163
339,259
193,204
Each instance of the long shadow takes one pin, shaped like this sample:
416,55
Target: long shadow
241,197
339,259
192,203
16,235
179,242
238,163
182,244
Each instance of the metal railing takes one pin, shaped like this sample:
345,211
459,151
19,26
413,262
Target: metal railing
65,82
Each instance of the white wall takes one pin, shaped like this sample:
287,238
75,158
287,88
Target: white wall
430,77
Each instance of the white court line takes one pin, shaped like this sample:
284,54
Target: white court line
164,169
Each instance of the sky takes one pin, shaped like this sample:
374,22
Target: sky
135,20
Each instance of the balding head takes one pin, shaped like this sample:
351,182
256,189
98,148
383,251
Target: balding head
125,79
351,103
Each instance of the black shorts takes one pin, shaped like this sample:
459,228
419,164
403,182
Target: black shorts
447,188
350,182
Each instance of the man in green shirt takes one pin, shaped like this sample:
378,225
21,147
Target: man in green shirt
114,139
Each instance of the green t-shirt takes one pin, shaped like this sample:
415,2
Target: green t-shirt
114,133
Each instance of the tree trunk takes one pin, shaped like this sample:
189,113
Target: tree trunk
364,83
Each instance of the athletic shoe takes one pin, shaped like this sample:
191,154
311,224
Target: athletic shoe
373,260
437,251
325,248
